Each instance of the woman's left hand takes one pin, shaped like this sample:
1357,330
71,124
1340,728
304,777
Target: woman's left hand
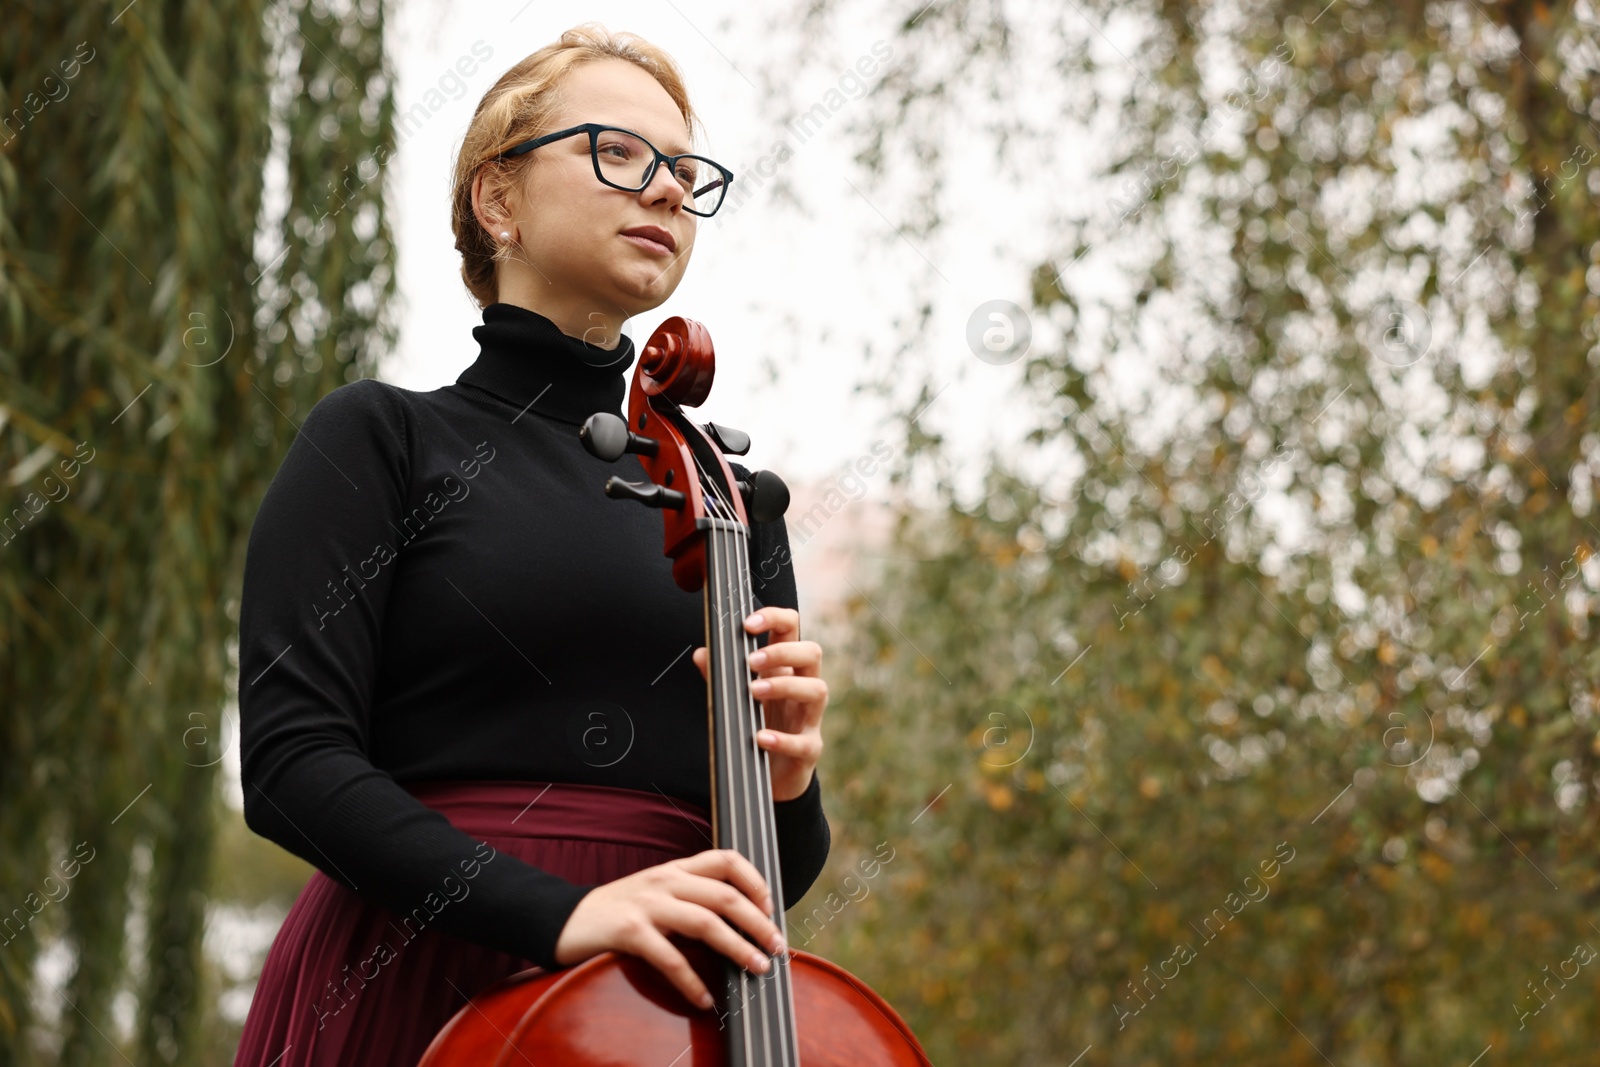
793,698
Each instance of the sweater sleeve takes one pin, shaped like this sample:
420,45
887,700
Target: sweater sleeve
306,680
803,835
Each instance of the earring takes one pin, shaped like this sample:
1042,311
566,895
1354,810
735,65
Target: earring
504,236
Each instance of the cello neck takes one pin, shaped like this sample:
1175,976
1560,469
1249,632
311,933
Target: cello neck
760,1008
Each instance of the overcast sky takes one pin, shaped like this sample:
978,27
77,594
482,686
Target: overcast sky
791,297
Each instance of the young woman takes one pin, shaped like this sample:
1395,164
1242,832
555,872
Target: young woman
464,689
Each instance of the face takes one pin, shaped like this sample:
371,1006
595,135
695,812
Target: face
591,252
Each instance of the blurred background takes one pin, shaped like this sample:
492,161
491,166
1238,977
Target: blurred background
1191,412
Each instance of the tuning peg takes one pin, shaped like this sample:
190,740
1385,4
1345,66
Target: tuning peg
732,442
647,493
766,498
607,437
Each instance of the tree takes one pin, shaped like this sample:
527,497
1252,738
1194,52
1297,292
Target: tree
1318,602
194,248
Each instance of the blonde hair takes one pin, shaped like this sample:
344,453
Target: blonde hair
518,108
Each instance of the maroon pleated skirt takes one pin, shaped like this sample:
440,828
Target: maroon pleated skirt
586,834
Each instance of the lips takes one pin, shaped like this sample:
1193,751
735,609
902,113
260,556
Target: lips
656,234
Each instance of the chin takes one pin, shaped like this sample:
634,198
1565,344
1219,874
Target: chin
643,292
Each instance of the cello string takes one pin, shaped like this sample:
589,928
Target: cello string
724,545
733,597
735,586
738,776
745,741
771,1016
738,781
730,773
733,572
777,985
726,574
783,990
783,984
729,674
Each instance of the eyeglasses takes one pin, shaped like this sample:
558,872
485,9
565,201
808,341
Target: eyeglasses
626,161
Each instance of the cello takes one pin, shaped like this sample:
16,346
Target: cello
613,1008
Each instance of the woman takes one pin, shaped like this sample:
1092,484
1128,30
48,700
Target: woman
464,695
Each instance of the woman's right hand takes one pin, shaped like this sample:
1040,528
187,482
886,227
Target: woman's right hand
690,896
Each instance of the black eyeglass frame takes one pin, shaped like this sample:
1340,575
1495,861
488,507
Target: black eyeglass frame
594,129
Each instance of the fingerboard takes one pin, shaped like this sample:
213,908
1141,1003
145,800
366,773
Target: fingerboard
759,1012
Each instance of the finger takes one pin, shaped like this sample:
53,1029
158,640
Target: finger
806,747
650,945
702,658
724,900
706,925
798,656
783,624
801,687
729,865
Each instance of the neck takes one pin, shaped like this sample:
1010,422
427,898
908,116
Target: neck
527,360
576,316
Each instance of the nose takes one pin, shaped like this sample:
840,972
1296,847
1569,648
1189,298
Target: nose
663,188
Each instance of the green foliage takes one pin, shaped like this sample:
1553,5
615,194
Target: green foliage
1336,597
165,322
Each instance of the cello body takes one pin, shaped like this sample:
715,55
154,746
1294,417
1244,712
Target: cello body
614,1009
617,1010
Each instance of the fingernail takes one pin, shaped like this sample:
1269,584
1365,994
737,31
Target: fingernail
777,943
760,687
758,962
765,737
757,658
705,1000
752,620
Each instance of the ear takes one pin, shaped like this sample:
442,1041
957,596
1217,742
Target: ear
494,202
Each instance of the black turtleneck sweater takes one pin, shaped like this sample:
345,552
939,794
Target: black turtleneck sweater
437,588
